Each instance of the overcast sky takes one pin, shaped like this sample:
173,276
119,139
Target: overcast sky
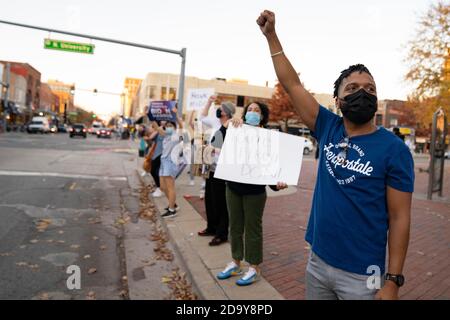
320,37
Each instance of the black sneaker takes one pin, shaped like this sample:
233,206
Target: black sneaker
176,208
169,213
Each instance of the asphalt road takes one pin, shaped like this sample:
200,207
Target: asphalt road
60,200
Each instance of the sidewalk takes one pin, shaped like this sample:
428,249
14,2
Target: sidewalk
427,267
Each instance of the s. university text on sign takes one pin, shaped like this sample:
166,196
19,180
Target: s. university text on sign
69,46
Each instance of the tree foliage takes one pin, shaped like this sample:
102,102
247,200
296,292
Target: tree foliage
281,108
429,66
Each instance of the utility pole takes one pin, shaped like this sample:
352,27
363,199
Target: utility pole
6,97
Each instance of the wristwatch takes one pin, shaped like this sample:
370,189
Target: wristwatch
398,279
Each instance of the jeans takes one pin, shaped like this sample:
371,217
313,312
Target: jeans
324,282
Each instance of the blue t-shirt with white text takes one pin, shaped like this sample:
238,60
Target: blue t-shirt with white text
349,217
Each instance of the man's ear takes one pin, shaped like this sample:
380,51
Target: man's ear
337,102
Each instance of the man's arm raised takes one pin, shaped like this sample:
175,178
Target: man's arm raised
304,103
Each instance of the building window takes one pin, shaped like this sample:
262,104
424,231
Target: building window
393,122
240,101
171,95
151,92
379,120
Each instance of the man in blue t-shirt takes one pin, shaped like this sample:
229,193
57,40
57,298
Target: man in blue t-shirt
362,198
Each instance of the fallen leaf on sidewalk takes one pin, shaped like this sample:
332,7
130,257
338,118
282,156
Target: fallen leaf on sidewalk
92,270
44,296
123,293
420,253
91,295
88,256
6,254
61,241
123,220
21,264
274,253
94,238
166,279
42,224
75,246
34,241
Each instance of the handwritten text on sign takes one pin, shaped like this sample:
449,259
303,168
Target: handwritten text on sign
197,98
260,156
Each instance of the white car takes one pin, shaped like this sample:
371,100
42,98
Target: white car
308,146
39,124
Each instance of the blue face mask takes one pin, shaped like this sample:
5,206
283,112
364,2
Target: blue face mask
169,130
252,118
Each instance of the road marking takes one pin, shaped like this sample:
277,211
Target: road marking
59,175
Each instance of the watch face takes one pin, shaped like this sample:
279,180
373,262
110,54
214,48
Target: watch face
400,280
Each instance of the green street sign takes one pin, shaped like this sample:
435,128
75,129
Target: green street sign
69,46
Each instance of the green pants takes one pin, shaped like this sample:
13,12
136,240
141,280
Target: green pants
245,212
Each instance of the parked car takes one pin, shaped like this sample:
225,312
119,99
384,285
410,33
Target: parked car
78,129
63,128
38,124
308,146
95,127
104,133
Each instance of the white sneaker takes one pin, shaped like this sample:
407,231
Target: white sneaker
158,193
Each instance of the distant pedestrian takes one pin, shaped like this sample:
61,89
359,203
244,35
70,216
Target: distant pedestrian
169,169
396,131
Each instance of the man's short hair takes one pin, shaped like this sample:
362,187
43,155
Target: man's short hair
347,72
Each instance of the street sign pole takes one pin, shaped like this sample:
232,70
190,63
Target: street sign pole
181,85
437,154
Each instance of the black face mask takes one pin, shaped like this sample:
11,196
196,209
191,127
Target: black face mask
219,113
359,107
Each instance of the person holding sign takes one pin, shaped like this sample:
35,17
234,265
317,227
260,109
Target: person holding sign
169,169
364,186
246,204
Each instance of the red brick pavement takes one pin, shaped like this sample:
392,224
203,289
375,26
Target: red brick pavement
427,267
